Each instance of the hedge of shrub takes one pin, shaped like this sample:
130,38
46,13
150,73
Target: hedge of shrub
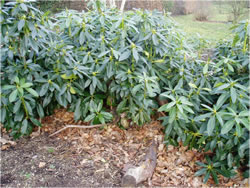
91,61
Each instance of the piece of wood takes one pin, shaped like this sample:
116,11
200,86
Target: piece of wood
144,171
77,126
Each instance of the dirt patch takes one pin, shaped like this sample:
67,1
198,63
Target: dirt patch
62,168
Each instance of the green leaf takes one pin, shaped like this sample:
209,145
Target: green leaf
103,54
3,115
222,87
6,87
192,85
13,95
241,87
21,23
32,92
208,107
221,100
28,107
211,125
24,7
168,129
180,108
40,110
219,118
25,85
20,90
201,164
202,117
107,115
56,86
77,112
121,105
16,80
227,127
171,104
239,130
206,177
185,101
125,55
81,38
89,117
168,96
136,89
35,122
233,94
200,172
230,67
165,107
135,54
243,147
17,106
230,160
99,106
44,89
155,40
244,113
72,90
172,115
214,175
159,61
24,126
187,109
245,122
205,69
101,119
225,173
217,164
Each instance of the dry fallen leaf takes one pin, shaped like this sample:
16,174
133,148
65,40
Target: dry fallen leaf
41,164
161,147
4,141
4,147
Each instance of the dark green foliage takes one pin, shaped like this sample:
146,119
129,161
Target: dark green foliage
89,61
210,109
24,39
78,60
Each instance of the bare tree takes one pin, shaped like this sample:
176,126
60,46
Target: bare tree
237,9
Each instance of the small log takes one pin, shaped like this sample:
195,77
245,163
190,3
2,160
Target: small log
136,175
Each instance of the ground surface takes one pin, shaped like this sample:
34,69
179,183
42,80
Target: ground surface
95,157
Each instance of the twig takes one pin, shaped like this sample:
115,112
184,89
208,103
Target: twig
77,126
162,113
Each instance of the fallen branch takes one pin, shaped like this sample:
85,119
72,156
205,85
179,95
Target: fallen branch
136,175
77,126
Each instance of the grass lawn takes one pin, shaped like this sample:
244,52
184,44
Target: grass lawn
217,27
208,30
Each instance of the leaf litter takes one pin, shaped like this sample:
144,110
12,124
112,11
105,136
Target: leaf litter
101,156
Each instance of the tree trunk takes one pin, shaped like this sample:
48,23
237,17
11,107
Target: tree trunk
122,5
112,3
136,175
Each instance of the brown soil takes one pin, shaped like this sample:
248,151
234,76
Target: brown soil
96,157
62,168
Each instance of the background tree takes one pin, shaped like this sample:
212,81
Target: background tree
237,9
